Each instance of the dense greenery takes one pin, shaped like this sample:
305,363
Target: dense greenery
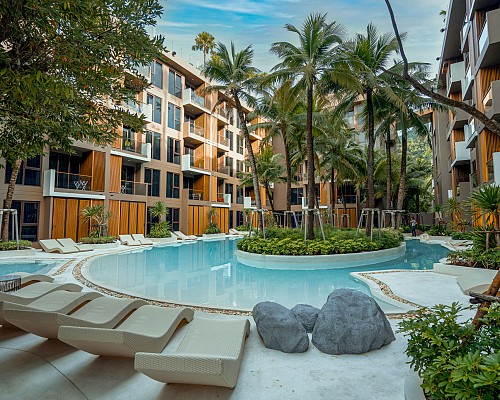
291,242
12,245
454,360
161,227
463,235
476,258
98,240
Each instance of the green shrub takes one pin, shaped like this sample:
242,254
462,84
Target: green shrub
454,360
439,230
12,245
243,228
463,235
211,229
476,258
98,240
160,230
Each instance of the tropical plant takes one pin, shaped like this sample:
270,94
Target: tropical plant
235,75
98,218
161,228
56,60
308,62
212,226
453,208
485,202
205,42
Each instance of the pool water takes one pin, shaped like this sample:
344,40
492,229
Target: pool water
38,267
206,273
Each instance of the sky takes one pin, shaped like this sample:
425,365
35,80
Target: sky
260,23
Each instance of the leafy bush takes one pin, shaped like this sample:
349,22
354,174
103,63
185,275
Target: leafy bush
439,230
211,229
453,359
463,235
12,245
243,228
476,258
160,230
98,240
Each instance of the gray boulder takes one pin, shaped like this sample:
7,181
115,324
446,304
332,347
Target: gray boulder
307,315
279,328
351,322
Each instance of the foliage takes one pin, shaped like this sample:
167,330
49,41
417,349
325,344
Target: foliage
463,235
98,240
485,202
453,359
159,229
281,241
439,230
476,258
205,42
98,217
243,227
211,228
12,245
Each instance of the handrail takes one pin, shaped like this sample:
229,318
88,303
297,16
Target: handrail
67,180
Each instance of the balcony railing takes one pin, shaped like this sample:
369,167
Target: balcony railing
223,169
195,194
223,198
222,140
198,163
484,35
189,95
488,99
73,181
132,145
196,130
135,188
348,199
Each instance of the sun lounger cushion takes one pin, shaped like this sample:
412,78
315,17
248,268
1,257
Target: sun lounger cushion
128,241
27,278
147,329
210,354
68,242
139,237
53,246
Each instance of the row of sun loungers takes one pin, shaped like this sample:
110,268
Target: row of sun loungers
209,354
63,246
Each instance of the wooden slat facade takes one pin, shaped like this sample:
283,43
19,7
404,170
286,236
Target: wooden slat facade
115,174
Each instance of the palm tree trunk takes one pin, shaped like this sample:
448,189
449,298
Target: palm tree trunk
288,166
333,196
204,55
310,165
251,157
7,203
370,188
388,183
402,177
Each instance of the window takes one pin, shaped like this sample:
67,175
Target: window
173,218
239,144
173,187
29,172
229,164
297,194
174,84
152,177
229,190
28,220
157,74
360,120
174,117
155,139
229,137
156,102
239,218
239,195
231,116
173,151
240,166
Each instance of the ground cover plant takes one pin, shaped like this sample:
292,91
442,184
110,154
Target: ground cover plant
280,241
12,245
98,240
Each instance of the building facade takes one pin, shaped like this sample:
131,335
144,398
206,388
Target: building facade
188,157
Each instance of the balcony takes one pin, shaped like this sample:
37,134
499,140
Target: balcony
348,198
462,154
470,133
61,184
458,120
491,101
138,109
466,84
222,115
193,134
195,195
133,149
249,203
222,144
480,4
464,35
318,203
223,169
456,72
489,41
192,167
254,136
194,103
134,188
223,200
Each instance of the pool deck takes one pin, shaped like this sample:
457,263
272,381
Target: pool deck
35,368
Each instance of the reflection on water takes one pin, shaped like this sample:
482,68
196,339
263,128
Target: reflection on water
38,267
207,273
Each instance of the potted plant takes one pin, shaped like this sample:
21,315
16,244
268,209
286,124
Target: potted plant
161,229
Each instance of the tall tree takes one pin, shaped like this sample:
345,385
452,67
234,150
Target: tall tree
307,62
235,75
61,65
205,42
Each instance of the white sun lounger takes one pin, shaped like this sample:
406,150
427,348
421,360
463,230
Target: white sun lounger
181,236
53,246
147,329
235,232
128,241
210,354
30,293
139,237
28,279
67,242
103,312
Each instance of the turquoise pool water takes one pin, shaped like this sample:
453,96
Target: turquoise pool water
206,273
39,267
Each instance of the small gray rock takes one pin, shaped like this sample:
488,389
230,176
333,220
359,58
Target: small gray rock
307,315
351,322
279,328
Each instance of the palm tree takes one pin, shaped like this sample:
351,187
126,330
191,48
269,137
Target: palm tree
308,62
204,41
281,108
486,202
100,216
235,75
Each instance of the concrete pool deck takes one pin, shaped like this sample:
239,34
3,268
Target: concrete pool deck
35,368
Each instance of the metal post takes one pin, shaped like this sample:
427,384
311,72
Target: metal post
320,223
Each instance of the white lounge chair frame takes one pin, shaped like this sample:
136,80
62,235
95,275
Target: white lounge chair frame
182,236
139,237
128,241
68,242
53,246
149,329
210,354
28,279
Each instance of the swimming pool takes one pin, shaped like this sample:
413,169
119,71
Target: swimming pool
206,273
35,266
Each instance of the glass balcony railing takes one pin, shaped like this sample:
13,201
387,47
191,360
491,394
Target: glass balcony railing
73,181
132,145
135,188
195,194
198,163
222,140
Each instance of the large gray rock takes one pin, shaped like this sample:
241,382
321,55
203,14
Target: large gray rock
351,322
279,328
307,315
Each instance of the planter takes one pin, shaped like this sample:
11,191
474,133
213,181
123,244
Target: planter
468,278
103,246
163,240
332,261
413,390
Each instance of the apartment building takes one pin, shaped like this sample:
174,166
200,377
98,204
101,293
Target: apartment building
466,154
187,156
